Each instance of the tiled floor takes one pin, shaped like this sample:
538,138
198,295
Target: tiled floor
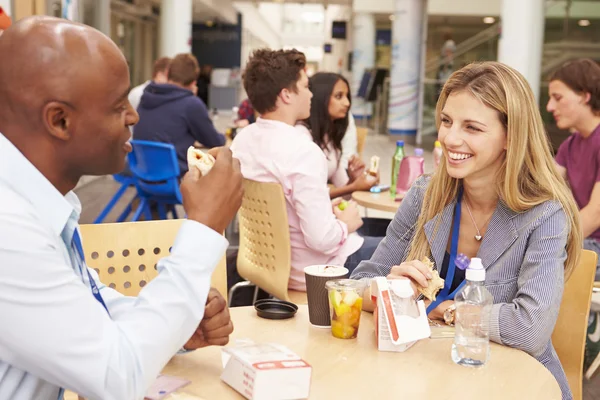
96,194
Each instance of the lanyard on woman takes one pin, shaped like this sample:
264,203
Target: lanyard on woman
445,292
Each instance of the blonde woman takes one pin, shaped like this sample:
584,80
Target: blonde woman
497,196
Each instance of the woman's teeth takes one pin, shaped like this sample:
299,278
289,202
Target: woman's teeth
459,156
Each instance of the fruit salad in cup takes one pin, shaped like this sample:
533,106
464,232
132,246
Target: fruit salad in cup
345,304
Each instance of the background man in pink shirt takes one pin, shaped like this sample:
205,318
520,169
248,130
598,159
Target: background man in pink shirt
272,150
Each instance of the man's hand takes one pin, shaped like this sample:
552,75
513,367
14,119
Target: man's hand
215,327
213,200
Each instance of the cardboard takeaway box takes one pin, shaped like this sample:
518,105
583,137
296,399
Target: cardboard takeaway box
396,332
266,372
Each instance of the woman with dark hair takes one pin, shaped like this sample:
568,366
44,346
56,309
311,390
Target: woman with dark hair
327,124
575,104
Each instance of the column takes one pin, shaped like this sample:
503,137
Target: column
102,16
175,27
405,75
522,38
363,57
70,10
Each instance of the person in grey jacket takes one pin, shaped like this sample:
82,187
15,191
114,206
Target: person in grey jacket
499,195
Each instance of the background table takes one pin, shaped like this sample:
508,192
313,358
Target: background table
355,369
377,201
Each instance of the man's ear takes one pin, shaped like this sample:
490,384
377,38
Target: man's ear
586,97
285,96
56,118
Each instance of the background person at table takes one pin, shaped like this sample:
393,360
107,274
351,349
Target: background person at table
575,104
172,113
272,150
160,74
55,331
498,156
327,125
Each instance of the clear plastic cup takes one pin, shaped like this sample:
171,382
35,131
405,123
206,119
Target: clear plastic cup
345,305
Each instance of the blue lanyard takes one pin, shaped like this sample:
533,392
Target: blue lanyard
79,248
444,293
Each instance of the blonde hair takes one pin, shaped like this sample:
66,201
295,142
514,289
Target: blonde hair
528,175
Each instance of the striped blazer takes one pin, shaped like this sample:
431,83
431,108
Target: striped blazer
523,254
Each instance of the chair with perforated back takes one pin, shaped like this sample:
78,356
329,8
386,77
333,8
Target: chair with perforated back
125,255
156,170
264,256
570,331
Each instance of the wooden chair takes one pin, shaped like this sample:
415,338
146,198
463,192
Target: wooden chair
361,138
571,327
125,254
264,256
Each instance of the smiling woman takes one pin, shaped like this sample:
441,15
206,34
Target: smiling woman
504,201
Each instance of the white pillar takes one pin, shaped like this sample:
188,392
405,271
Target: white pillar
175,27
405,75
522,38
102,16
363,57
70,10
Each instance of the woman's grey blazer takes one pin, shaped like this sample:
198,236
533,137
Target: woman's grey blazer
523,254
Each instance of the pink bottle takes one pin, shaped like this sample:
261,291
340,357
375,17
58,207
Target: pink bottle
411,168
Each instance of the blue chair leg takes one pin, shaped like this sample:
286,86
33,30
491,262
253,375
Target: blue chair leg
161,211
127,211
148,212
142,207
174,212
111,203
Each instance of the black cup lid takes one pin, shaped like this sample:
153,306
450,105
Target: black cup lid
275,309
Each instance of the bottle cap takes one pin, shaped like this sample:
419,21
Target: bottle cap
400,143
418,152
437,144
475,272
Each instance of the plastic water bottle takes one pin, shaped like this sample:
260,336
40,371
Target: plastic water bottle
437,153
472,319
396,161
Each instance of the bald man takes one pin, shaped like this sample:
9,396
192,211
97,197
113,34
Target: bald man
60,327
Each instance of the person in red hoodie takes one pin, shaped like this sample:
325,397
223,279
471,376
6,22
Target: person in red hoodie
5,21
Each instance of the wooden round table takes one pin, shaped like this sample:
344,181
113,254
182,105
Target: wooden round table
355,369
377,201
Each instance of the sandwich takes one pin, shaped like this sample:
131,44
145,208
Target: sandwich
435,284
199,159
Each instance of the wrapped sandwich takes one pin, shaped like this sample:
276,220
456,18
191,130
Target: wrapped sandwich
199,159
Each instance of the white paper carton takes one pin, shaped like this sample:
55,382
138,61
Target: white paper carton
396,332
266,372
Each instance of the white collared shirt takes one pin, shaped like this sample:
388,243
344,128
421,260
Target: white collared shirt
53,332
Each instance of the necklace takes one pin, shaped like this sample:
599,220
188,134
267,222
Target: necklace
478,237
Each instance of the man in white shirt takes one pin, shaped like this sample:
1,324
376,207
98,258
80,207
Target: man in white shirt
61,328
160,74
